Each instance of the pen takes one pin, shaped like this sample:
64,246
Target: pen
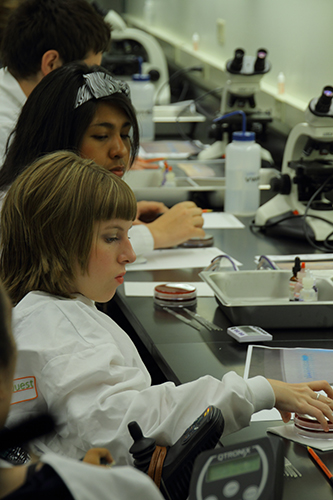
206,210
321,465
151,160
181,318
166,169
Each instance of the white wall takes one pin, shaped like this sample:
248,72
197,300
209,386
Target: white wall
298,35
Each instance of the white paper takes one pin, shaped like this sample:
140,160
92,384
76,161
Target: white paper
146,289
288,431
221,220
296,364
179,258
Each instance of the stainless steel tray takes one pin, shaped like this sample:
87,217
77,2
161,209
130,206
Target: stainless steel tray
261,298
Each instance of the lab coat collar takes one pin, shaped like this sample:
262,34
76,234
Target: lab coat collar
84,299
76,296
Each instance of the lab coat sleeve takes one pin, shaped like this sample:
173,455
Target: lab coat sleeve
86,481
141,239
95,396
90,377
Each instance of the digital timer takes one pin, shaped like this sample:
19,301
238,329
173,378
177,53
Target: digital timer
249,333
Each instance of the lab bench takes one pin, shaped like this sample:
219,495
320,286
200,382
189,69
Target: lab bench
182,353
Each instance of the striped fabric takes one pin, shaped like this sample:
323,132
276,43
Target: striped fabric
99,85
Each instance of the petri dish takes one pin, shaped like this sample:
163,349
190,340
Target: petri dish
175,295
308,426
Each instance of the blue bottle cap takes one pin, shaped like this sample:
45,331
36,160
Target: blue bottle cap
138,77
243,136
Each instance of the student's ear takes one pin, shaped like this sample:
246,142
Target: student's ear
50,61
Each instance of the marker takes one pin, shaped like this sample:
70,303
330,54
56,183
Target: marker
151,160
206,210
321,465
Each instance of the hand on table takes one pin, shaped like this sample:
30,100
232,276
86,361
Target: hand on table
148,211
178,224
94,456
302,398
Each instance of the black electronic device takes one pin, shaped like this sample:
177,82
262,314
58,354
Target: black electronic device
251,470
202,435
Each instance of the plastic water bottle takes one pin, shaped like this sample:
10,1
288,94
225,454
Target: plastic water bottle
148,12
242,166
142,96
309,292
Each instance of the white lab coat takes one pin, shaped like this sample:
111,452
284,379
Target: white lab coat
12,99
87,482
141,239
89,375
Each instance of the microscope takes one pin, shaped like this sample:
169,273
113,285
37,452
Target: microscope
129,45
303,206
244,75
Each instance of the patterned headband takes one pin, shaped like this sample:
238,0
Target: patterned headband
99,85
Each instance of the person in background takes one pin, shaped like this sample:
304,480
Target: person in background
64,246
6,8
87,111
56,477
39,36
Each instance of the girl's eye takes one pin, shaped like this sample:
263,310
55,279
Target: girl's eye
125,136
100,137
111,239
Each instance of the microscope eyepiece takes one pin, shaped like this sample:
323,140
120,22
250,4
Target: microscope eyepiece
237,62
259,65
324,102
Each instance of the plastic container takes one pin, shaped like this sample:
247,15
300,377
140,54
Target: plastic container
309,292
301,273
170,178
142,96
281,83
195,41
175,295
242,165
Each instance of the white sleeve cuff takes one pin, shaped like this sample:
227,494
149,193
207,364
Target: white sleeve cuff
263,397
141,239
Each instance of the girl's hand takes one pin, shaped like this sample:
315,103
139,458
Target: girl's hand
148,211
94,456
182,222
304,399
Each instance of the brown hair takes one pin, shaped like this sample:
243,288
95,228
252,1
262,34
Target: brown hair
47,221
71,27
7,343
6,9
